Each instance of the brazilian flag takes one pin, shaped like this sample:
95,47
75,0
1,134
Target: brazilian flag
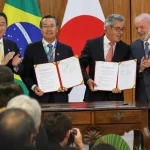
23,25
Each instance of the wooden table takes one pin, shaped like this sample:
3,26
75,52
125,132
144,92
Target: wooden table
100,118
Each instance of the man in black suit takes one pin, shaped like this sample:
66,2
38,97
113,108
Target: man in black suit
36,53
140,51
97,49
8,48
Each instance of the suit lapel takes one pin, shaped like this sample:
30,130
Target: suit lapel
140,49
58,51
42,51
6,48
100,49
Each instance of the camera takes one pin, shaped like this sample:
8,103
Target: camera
72,137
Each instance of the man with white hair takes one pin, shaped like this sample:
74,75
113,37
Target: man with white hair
140,51
32,107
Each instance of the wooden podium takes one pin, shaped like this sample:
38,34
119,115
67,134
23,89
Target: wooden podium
95,119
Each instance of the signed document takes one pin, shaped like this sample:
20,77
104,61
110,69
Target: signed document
47,77
110,75
58,75
70,72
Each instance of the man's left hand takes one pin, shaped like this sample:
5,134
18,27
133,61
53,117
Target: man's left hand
116,90
16,60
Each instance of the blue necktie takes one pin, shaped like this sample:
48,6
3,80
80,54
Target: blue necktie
49,54
146,48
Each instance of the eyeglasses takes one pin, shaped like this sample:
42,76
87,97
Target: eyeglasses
2,25
118,29
50,26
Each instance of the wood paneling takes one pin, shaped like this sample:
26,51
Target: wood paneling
107,7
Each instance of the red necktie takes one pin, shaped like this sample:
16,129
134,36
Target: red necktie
110,52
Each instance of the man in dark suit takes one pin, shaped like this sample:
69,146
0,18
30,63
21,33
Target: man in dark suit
8,48
98,49
138,51
36,53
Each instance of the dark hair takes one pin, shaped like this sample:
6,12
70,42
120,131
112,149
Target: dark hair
4,15
9,91
57,125
49,16
6,75
16,128
103,147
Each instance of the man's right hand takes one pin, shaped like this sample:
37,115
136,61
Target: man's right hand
38,91
91,84
7,58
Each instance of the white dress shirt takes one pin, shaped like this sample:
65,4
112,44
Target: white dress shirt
107,46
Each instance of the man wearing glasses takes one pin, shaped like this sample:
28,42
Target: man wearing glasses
108,47
49,49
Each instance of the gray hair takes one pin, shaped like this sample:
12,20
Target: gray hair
31,106
143,16
111,19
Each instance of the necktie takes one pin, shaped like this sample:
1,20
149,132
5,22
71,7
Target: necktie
110,52
1,55
49,54
146,48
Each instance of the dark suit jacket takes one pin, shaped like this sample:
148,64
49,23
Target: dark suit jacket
35,54
10,46
56,146
142,92
94,51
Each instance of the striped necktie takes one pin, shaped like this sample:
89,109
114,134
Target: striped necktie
146,48
49,54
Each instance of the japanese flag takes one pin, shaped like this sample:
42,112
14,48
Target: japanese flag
83,19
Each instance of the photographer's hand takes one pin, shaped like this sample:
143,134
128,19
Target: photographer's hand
78,139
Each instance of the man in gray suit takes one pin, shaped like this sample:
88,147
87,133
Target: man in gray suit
140,51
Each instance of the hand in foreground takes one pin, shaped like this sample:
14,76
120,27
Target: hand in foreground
63,90
91,84
116,90
7,58
16,60
38,91
78,139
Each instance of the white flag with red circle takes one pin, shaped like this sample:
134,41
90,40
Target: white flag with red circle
83,20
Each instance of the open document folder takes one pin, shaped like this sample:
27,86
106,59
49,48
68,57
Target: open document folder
57,75
109,75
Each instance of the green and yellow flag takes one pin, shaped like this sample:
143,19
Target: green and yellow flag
23,25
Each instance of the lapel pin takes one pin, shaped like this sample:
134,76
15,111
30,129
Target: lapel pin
8,50
58,54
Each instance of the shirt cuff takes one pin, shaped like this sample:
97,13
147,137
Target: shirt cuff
33,86
16,68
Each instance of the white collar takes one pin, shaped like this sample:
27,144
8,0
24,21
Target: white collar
1,40
45,43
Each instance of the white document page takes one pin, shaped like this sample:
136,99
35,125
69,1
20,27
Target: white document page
127,75
47,77
105,75
70,72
